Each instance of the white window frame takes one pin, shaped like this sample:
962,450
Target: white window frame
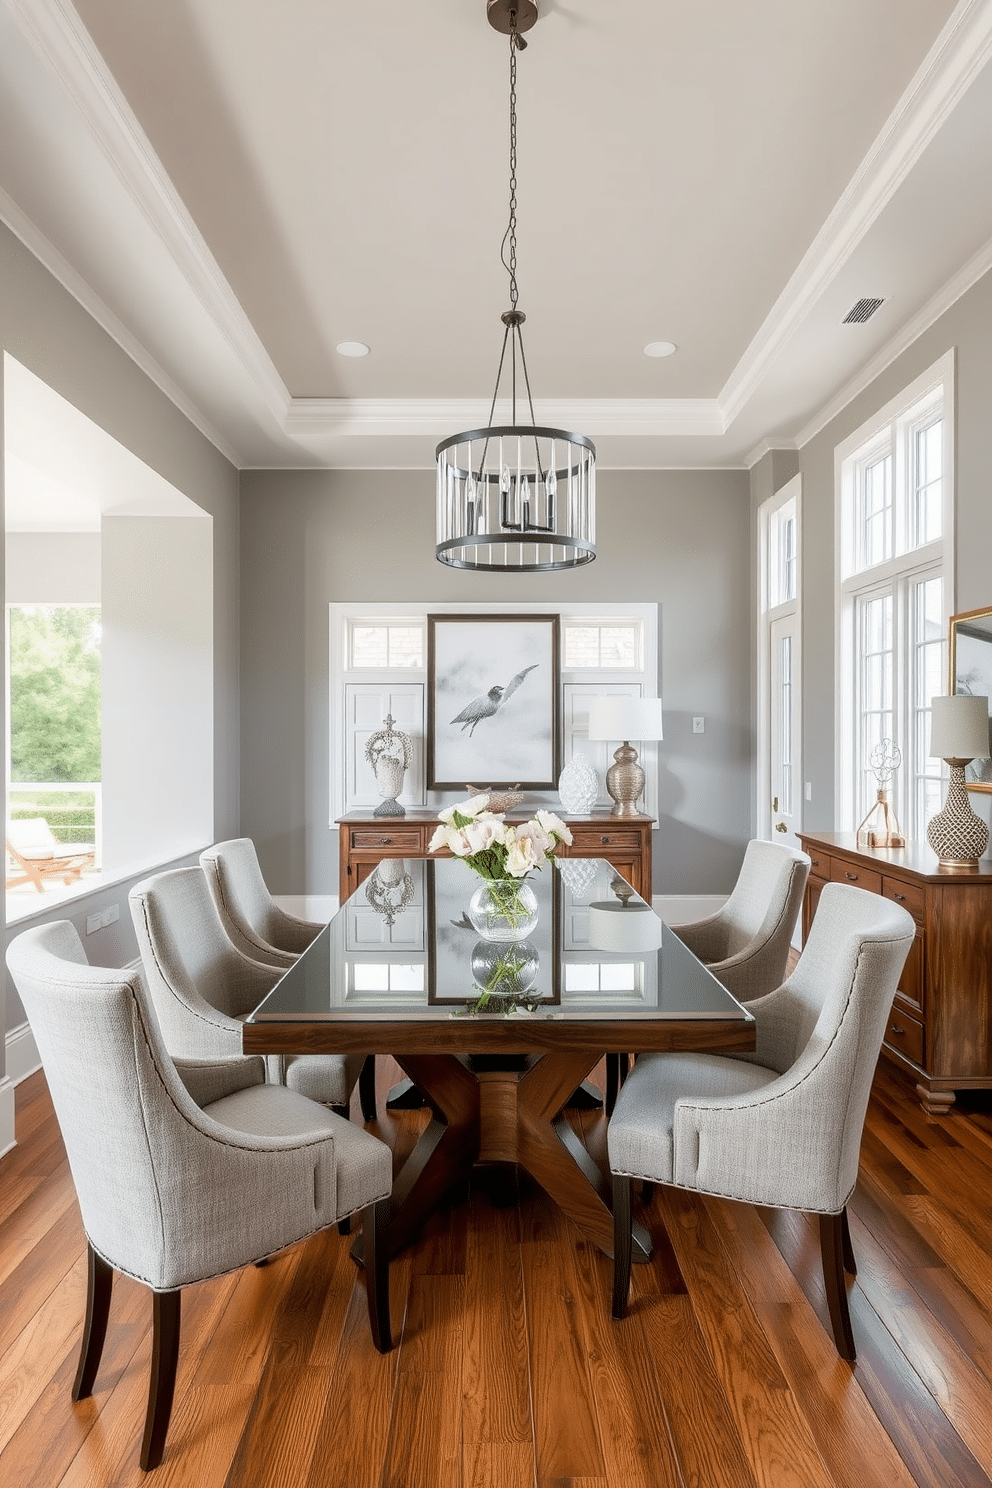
893,429
771,608
350,790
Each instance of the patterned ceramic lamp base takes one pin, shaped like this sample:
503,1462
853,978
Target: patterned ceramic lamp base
956,834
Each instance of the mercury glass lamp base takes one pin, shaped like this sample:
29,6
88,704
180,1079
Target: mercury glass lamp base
625,781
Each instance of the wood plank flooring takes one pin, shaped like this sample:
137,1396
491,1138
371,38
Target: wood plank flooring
510,1372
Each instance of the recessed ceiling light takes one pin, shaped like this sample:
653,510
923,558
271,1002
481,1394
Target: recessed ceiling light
660,348
352,348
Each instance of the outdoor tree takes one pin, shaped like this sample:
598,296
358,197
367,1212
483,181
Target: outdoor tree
54,693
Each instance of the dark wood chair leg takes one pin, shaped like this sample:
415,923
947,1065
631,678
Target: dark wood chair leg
344,1225
850,1263
647,1191
366,1089
621,1244
166,1314
99,1286
617,1068
832,1255
375,1220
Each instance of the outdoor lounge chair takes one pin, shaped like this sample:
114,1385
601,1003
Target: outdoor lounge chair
35,853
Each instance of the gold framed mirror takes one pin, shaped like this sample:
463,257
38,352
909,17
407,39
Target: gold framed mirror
971,672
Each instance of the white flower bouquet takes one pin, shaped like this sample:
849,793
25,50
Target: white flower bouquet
490,847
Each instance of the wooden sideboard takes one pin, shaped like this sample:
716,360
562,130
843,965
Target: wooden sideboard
940,1027
364,839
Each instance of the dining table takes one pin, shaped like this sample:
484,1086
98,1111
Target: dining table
498,1034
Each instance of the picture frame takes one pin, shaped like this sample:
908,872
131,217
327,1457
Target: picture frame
493,701
971,673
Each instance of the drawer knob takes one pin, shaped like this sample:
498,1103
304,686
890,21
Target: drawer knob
900,897
385,841
604,840
852,876
897,1030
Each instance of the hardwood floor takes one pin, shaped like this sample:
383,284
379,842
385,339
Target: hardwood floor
509,1370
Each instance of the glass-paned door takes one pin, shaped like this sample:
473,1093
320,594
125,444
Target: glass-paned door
784,729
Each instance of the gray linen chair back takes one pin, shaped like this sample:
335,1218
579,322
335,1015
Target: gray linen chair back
199,982
253,921
746,943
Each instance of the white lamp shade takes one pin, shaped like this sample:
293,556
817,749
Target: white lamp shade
625,718
623,927
959,727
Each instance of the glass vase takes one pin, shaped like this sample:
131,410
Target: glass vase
503,909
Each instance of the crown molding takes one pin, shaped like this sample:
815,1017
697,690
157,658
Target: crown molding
74,284
438,416
55,31
962,49
928,315
768,447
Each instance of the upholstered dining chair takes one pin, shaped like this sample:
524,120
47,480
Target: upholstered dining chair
184,1170
260,929
782,1127
202,986
746,943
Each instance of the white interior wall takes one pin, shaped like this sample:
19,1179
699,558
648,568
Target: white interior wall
158,702
61,568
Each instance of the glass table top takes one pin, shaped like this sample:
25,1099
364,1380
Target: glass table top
403,949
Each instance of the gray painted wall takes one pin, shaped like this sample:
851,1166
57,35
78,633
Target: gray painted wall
966,327
678,538
44,328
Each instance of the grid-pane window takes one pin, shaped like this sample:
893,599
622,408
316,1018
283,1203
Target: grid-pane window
785,726
929,676
387,646
613,646
782,555
875,699
896,513
875,501
928,449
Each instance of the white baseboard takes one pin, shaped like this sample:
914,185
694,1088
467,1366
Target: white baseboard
6,1115
683,909
22,1054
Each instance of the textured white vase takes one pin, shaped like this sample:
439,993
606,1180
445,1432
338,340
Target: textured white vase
578,786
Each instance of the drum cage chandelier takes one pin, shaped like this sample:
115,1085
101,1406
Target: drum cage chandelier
518,498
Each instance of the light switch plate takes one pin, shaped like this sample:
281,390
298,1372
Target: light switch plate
698,725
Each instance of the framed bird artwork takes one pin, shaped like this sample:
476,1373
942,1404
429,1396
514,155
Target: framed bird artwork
493,691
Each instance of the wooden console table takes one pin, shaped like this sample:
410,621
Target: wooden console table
940,1027
364,839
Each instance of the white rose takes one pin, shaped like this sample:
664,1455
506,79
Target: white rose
484,832
554,826
520,859
439,840
471,807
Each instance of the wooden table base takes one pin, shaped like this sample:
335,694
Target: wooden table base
496,1116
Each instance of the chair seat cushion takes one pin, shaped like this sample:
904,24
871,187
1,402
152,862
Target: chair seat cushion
324,1077
363,1164
639,1135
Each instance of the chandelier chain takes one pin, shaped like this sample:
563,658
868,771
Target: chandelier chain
510,236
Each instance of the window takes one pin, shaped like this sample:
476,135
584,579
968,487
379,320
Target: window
389,644
894,588
588,645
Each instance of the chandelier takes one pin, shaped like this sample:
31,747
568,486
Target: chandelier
517,498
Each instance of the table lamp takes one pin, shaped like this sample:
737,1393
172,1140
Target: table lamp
625,718
959,732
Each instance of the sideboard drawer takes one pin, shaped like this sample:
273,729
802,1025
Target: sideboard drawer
906,1035
910,896
842,870
593,840
398,839
819,864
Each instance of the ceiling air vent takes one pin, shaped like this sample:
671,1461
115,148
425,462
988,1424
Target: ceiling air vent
862,310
